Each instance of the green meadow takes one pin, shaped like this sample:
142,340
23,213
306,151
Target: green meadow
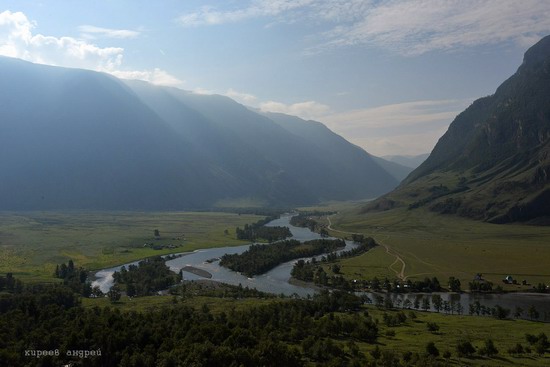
413,335
33,243
410,336
439,245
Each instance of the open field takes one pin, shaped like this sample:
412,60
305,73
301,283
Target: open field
33,243
443,246
413,336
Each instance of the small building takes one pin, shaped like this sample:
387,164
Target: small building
509,280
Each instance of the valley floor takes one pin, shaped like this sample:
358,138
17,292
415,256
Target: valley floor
416,244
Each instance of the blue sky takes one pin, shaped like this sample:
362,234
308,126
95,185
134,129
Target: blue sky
387,75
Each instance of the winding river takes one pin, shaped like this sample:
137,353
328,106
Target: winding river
277,280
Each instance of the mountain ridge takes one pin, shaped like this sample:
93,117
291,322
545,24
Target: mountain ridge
493,163
78,139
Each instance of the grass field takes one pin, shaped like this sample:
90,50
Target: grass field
33,243
411,336
443,246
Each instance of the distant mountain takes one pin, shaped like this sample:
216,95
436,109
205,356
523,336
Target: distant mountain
77,139
398,171
411,161
493,163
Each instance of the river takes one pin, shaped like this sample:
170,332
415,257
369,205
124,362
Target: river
274,281
277,280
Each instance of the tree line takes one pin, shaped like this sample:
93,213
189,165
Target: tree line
259,258
49,318
148,277
258,230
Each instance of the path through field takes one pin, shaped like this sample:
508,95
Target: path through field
399,273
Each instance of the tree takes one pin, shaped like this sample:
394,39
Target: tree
131,290
489,348
375,353
501,313
454,284
156,233
416,303
459,308
518,312
96,292
336,269
533,313
432,350
425,303
70,268
114,294
437,302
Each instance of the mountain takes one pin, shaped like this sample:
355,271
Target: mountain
411,161
337,151
397,170
493,163
77,139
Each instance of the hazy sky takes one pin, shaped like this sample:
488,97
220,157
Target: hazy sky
387,75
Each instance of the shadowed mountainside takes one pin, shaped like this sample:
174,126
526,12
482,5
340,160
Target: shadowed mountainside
77,139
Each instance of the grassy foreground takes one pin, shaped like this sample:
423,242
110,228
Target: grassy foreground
410,336
33,243
438,245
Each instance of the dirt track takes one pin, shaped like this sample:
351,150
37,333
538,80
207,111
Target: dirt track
399,273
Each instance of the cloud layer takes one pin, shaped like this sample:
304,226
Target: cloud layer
17,39
409,27
91,31
403,128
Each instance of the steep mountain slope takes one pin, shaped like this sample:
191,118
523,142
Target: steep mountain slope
341,156
76,139
493,163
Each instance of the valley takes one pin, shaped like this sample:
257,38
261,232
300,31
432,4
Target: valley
421,243
161,227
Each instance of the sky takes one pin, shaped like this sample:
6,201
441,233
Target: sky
387,75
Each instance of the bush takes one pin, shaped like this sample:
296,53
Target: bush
432,326
517,349
432,350
488,349
465,349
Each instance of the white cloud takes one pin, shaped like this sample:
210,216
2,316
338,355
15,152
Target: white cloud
306,110
408,27
244,98
398,115
156,76
404,128
416,27
90,31
403,144
208,15
203,91
18,40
